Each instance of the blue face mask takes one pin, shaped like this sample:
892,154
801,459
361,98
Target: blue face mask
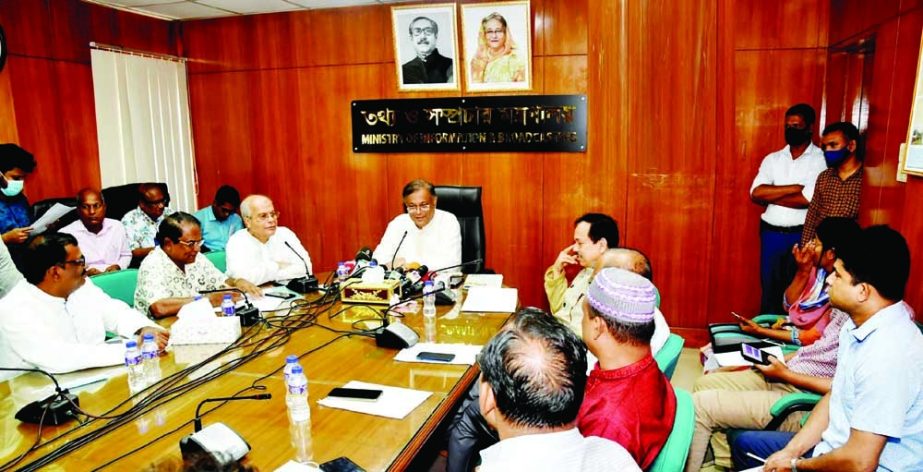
13,188
835,157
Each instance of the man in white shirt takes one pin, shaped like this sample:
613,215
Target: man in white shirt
785,186
533,376
56,319
176,271
265,252
103,241
430,237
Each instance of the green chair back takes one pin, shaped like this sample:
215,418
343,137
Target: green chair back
672,457
668,355
119,285
219,258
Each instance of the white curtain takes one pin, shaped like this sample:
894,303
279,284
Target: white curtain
142,123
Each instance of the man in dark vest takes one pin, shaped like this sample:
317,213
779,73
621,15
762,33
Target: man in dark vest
429,67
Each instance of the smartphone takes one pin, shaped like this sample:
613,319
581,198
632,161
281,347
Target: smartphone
355,393
341,464
436,356
754,354
282,295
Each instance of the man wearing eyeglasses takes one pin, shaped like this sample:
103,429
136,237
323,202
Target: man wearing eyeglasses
429,67
176,271
56,319
433,236
103,240
141,224
265,252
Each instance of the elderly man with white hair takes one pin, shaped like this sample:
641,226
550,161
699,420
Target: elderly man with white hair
265,252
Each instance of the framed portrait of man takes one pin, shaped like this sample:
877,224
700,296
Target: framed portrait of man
497,40
425,47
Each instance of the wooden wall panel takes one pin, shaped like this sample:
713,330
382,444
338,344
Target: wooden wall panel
8,130
852,17
779,25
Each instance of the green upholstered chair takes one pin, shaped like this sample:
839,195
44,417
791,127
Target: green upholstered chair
672,457
668,355
119,285
219,258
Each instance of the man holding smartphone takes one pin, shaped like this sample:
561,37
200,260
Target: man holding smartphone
594,233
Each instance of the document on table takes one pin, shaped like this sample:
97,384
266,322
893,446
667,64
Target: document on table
53,214
491,300
394,402
465,354
736,359
483,280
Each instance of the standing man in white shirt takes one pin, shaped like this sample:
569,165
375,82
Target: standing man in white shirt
785,186
56,319
533,377
265,252
430,237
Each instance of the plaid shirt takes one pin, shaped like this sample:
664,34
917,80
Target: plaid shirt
832,197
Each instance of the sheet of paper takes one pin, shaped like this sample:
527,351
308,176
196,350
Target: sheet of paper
491,300
758,468
292,466
735,359
394,402
483,280
465,354
53,214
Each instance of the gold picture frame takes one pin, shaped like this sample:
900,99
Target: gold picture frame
912,162
425,55
498,56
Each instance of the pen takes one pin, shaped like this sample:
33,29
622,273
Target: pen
754,456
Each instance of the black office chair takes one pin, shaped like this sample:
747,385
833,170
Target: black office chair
465,204
42,206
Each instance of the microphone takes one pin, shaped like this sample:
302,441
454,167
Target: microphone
398,248
216,441
364,254
463,264
249,315
302,284
56,409
198,417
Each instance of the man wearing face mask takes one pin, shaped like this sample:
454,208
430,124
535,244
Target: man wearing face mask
838,188
15,215
785,185
429,67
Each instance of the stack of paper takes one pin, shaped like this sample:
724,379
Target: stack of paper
491,300
394,402
483,280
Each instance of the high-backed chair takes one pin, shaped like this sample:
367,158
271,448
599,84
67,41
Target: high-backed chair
119,285
672,457
219,258
40,207
465,204
668,355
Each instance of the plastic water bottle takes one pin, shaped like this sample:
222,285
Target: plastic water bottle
290,362
429,299
299,413
227,305
136,380
342,272
150,359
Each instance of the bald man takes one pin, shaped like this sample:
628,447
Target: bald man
265,252
103,240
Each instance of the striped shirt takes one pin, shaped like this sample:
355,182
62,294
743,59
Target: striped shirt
832,197
819,358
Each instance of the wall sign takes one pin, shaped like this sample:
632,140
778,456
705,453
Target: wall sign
520,123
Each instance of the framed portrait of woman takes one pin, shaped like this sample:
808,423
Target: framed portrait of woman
497,40
425,46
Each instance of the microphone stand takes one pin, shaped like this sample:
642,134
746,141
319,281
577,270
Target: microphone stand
305,284
249,315
398,248
56,409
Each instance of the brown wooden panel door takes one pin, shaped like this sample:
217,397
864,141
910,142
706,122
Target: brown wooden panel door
780,25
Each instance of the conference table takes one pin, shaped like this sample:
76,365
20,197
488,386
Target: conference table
330,356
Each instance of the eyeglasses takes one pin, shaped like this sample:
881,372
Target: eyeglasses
263,217
422,31
162,201
192,242
82,261
494,31
415,208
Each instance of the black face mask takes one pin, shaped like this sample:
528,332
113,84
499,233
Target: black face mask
797,137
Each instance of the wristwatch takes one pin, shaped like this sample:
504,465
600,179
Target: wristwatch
794,464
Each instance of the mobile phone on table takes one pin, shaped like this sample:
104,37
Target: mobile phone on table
364,394
341,464
754,354
435,356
